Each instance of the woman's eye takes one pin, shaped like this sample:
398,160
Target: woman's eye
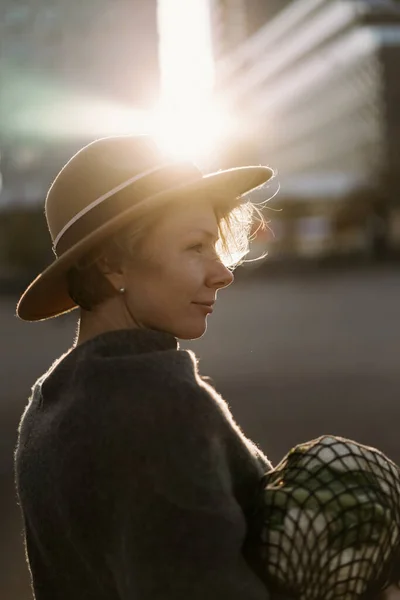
197,247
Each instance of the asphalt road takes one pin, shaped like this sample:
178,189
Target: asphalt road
319,353
294,356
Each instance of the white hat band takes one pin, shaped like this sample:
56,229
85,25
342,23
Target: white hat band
101,199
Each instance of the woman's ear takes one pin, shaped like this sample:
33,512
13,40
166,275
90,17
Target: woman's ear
112,270
107,265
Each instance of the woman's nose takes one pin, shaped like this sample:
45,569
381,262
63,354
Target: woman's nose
220,276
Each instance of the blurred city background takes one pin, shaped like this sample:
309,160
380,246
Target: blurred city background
307,341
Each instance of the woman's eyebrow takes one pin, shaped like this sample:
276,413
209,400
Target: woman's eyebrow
207,233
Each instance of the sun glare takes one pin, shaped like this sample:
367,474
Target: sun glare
189,124
185,48
190,131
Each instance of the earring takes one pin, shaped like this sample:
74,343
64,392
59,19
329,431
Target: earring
122,290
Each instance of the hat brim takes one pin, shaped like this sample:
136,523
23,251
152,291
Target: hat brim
47,296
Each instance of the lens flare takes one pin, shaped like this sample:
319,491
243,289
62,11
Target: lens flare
191,132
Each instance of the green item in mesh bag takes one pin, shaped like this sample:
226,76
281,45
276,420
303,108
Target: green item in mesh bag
327,522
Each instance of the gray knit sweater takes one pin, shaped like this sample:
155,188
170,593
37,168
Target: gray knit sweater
134,480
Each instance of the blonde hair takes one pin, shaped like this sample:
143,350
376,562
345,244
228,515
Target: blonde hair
88,286
236,230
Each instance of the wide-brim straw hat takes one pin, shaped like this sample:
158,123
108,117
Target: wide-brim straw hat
101,188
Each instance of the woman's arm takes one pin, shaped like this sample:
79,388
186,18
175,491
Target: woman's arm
169,551
178,528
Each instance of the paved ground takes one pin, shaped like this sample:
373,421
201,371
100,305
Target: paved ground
294,356
299,357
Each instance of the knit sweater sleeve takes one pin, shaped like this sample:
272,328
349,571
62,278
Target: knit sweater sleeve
178,529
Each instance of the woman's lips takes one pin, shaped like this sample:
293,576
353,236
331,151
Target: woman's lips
207,306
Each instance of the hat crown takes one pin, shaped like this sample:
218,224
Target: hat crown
95,170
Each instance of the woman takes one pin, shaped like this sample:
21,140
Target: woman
134,480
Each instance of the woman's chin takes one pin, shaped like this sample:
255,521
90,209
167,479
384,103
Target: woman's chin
191,331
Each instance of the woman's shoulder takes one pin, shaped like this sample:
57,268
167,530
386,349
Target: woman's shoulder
152,378
170,367
130,376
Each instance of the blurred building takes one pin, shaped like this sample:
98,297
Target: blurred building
53,58
317,88
235,21
53,54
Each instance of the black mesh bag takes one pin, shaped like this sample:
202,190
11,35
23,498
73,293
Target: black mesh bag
327,522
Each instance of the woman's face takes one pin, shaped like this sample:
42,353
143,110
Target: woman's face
174,284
